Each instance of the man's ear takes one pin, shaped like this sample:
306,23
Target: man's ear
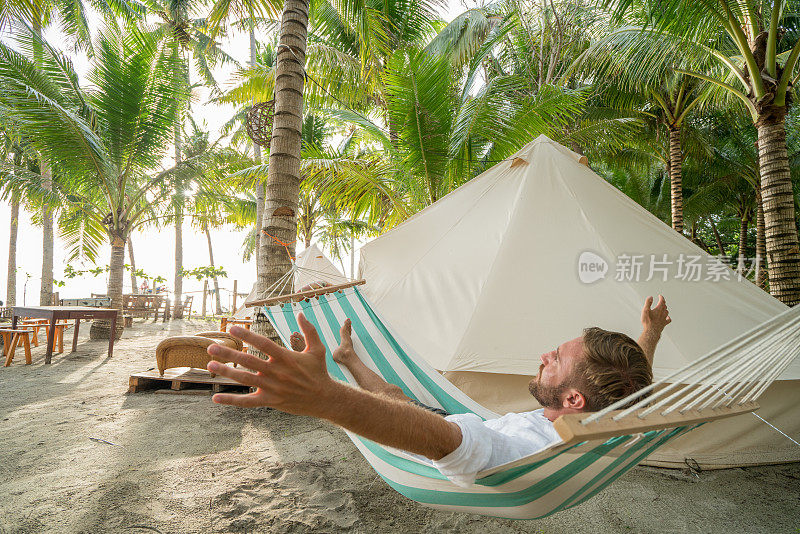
573,400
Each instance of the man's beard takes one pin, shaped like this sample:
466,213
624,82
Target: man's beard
547,396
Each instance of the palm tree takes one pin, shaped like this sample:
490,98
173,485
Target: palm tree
279,226
347,52
742,48
11,280
251,13
184,39
103,142
205,171
134,282
13,148
442,135
38,14
668,97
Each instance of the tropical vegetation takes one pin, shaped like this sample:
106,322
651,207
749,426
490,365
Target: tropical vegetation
382,108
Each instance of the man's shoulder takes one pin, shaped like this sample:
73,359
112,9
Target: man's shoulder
536,414
532,418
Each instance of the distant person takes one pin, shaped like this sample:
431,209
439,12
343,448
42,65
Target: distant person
585,374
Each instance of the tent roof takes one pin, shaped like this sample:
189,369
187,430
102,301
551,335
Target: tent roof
491,271
311,265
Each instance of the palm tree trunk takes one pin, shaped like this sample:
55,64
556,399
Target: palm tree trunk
761,243
783,251
283,175
177,310
260,194
11,292
46,289
257,156
717,237
676,184
134,284
352,255
694,238
116,273
744,221
102,329
218,300
205,296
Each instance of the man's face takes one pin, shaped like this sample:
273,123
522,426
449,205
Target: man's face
555,373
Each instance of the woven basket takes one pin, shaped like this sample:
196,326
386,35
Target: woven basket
259,122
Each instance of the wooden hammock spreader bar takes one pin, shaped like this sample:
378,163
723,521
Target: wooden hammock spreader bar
572,430
309,293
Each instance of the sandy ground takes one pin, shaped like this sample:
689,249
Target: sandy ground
178,463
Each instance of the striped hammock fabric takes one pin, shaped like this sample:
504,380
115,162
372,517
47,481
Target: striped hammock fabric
556,478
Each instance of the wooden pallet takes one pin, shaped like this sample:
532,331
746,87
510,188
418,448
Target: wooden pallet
183,379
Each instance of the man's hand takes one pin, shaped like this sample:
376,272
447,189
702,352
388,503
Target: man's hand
293,382
653,323
655,319
298,383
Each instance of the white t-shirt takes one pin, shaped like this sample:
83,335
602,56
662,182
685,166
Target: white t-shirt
487,444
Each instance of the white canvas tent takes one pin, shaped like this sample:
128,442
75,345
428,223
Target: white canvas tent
310,266
313,266
538,247
243,312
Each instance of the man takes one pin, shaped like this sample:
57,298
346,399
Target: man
587,373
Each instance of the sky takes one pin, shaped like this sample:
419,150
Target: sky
153,249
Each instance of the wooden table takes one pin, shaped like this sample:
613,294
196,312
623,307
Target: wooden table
54,313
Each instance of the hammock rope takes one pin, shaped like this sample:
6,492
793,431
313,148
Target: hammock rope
285,284
745,365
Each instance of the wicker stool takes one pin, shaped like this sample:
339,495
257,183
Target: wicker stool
11,339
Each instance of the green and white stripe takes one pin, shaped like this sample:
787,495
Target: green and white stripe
549,481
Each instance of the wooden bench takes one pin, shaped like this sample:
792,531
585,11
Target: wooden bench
143,305
11,339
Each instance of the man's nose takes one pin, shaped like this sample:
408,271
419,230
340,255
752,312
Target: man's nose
547,357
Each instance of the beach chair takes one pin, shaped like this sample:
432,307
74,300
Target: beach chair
595,448
187,305
190,351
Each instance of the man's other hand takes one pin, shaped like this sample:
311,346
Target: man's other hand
656,319
289,381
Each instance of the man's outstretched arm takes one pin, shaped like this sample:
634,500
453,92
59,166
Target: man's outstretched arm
653,323
298,383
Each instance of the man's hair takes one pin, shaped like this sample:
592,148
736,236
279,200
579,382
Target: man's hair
613,367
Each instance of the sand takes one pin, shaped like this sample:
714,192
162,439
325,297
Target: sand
177,463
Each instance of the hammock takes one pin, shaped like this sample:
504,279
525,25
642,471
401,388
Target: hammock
595,450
